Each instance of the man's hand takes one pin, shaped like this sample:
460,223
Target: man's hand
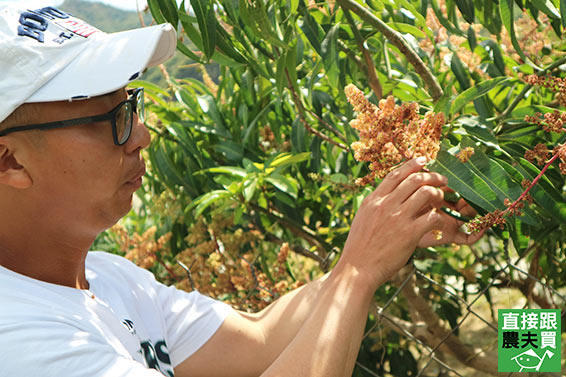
392,220
451,227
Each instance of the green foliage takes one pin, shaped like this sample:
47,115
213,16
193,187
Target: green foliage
269,144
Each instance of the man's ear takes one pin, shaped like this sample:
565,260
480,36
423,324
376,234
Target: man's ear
11,172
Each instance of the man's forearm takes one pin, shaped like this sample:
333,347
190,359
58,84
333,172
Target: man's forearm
328,341
281,320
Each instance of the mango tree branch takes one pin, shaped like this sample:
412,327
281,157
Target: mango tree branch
302,116
370,67
397,40
298,249
301,231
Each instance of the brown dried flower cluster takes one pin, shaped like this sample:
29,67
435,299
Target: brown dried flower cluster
391,134
553,83
220,268
538,155
550,122
465,154
498,217
495,218
142,249
560,152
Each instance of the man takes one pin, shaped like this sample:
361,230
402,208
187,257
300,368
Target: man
70,161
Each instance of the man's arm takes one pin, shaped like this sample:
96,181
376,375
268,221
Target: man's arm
246,344
317,329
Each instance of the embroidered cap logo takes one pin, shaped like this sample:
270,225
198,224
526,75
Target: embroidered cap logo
34,24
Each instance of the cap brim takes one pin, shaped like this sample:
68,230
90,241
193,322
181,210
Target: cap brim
110,63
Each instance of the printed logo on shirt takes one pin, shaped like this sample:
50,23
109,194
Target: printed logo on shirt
156,355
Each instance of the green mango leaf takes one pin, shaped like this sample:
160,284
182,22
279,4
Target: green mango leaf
563,12
285,159
254,122
546,7
312,30
167,169
508,19
286,200
418,18
464,180
155,10
224,60
250,187
187,52
287,185
190,30
238,214
169,10
281,72
150,88
497,179
472,40
444,21
488,14
291,66
179,131
460,72
466,7
227,45
232,151
329,52
406,28
204,12
480,129
230,170
475,92
315,147
293,6
544,192
519,177
298,137
494,51
204,201
208,106
521,112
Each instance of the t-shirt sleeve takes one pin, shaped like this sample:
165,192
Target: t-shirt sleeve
49,349
191,319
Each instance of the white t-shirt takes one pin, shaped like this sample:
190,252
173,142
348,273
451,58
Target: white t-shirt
127,324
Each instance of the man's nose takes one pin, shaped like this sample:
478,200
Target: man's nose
140,137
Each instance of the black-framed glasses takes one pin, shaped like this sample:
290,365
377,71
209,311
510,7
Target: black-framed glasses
121,117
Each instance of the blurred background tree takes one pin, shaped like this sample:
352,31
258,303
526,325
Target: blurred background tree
251,183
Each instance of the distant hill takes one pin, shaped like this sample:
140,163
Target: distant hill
110,19
104,17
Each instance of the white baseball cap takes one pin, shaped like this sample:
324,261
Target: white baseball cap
48,55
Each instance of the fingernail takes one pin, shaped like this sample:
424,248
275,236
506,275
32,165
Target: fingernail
421,160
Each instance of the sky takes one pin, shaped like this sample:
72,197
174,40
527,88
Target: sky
122,4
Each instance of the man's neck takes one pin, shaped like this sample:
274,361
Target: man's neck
45,256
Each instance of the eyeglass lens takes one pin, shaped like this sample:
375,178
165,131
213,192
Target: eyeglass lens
124,117
140,106
124,122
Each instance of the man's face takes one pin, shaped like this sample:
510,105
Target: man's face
78,173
